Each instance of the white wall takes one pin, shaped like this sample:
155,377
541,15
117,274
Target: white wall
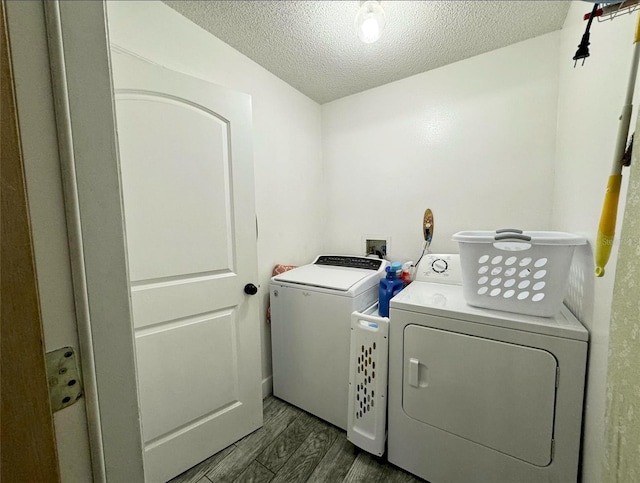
287,147
474,141
590,102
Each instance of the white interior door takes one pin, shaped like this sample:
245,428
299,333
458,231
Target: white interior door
187,176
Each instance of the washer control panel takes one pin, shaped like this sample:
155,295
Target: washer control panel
439,268
349,262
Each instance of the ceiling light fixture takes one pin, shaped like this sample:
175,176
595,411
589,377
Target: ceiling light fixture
370,21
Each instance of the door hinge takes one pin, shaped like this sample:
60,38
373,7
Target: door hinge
65,385
557,377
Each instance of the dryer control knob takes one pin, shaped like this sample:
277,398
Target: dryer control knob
439,265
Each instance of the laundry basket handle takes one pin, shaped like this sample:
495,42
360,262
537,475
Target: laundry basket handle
512,236
508,230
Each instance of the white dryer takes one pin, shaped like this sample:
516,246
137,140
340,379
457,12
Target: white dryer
311,310
477,395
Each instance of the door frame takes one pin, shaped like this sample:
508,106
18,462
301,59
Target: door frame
28,436
83,95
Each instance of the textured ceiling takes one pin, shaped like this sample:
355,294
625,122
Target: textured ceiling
313,46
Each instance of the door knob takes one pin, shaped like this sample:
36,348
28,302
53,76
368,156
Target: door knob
250,289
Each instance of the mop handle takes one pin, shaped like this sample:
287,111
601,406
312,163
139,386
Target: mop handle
608,217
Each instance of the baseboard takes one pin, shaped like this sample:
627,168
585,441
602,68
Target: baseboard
267,386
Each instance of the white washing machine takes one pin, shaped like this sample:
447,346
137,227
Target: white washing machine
477,395
311,310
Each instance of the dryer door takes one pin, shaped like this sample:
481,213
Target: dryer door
496,394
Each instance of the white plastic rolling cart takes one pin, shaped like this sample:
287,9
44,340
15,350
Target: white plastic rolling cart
368,367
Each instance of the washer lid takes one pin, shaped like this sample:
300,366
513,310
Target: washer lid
325,276
447,301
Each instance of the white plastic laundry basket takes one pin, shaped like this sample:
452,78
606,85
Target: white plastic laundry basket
516,271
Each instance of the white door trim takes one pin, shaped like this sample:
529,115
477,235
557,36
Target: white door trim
81,78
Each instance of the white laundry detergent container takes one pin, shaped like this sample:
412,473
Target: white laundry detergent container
525,272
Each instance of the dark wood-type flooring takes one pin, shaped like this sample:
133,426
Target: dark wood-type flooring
294,446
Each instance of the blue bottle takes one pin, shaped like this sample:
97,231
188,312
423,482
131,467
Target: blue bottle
389,286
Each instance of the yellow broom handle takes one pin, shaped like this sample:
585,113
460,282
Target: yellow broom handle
607,227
